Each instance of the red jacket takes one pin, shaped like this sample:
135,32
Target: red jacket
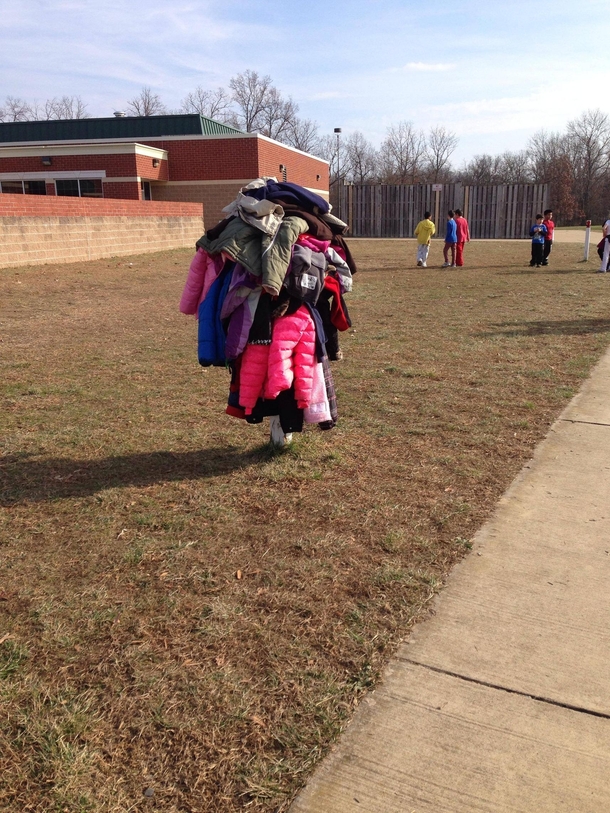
550,228
463,232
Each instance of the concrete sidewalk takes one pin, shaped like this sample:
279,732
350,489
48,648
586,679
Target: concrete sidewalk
500,701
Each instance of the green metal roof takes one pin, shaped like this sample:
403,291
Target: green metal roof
128,127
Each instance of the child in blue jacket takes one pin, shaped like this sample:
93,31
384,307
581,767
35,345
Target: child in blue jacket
538,234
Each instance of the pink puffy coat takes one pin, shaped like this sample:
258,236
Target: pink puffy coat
267,370
253,375
202,273
292,356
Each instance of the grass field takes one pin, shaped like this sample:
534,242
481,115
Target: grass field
188,619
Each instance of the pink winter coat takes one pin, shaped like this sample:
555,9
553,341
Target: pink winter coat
292,356
202,273
267,370
253,375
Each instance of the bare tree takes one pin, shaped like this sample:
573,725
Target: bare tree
402,154
440,147
250,92
514,167
482,169
544,149
588,139
277,116
329,149
15,109
303,134
261,108
146,103
361,159
214,104
65,107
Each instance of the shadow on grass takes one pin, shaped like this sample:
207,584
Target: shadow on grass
571,327
26,480
547,270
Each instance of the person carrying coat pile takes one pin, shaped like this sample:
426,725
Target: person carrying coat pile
267,285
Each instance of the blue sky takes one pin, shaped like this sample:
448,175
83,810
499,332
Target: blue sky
492,72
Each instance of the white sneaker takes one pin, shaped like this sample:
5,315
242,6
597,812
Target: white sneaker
445,265
423,265
454,265
419,263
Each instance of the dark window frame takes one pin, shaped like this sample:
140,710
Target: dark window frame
81,187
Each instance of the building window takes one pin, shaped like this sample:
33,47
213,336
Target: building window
79,188
146,192
23,187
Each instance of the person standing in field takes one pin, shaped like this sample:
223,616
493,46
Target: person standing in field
548,240
463,236
606,245
450,240
538,235
424,231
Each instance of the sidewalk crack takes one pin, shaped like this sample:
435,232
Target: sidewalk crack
590,423
497,686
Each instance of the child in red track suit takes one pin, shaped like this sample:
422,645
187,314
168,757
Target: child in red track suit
548,240
463,236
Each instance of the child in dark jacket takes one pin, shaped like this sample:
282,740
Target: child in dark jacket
538,234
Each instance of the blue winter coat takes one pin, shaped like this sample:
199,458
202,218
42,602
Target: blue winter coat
211,335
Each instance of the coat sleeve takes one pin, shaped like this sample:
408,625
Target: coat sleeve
304,364
194,283
253,373
286,334
204,270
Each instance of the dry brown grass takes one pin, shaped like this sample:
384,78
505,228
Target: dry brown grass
132,656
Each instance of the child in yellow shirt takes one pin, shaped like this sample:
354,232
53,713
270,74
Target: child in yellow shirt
424,231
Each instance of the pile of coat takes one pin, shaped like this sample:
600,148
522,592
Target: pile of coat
267,286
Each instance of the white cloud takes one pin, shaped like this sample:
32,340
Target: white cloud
428,66
329,94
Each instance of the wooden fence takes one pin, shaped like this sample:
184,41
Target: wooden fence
504,211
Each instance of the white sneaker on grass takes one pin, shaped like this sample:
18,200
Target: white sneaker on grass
445,265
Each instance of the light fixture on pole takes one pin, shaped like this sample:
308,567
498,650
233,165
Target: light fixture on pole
338,134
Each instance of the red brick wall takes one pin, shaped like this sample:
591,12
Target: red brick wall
242,158
301,169
41,206
124,189
210,159
117,166
145,169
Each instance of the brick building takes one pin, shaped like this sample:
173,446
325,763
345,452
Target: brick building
186,158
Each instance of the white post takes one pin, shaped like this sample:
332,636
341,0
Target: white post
587,239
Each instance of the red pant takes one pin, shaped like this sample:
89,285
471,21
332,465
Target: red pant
459,253
447,248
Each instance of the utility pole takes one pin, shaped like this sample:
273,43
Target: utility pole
340,198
